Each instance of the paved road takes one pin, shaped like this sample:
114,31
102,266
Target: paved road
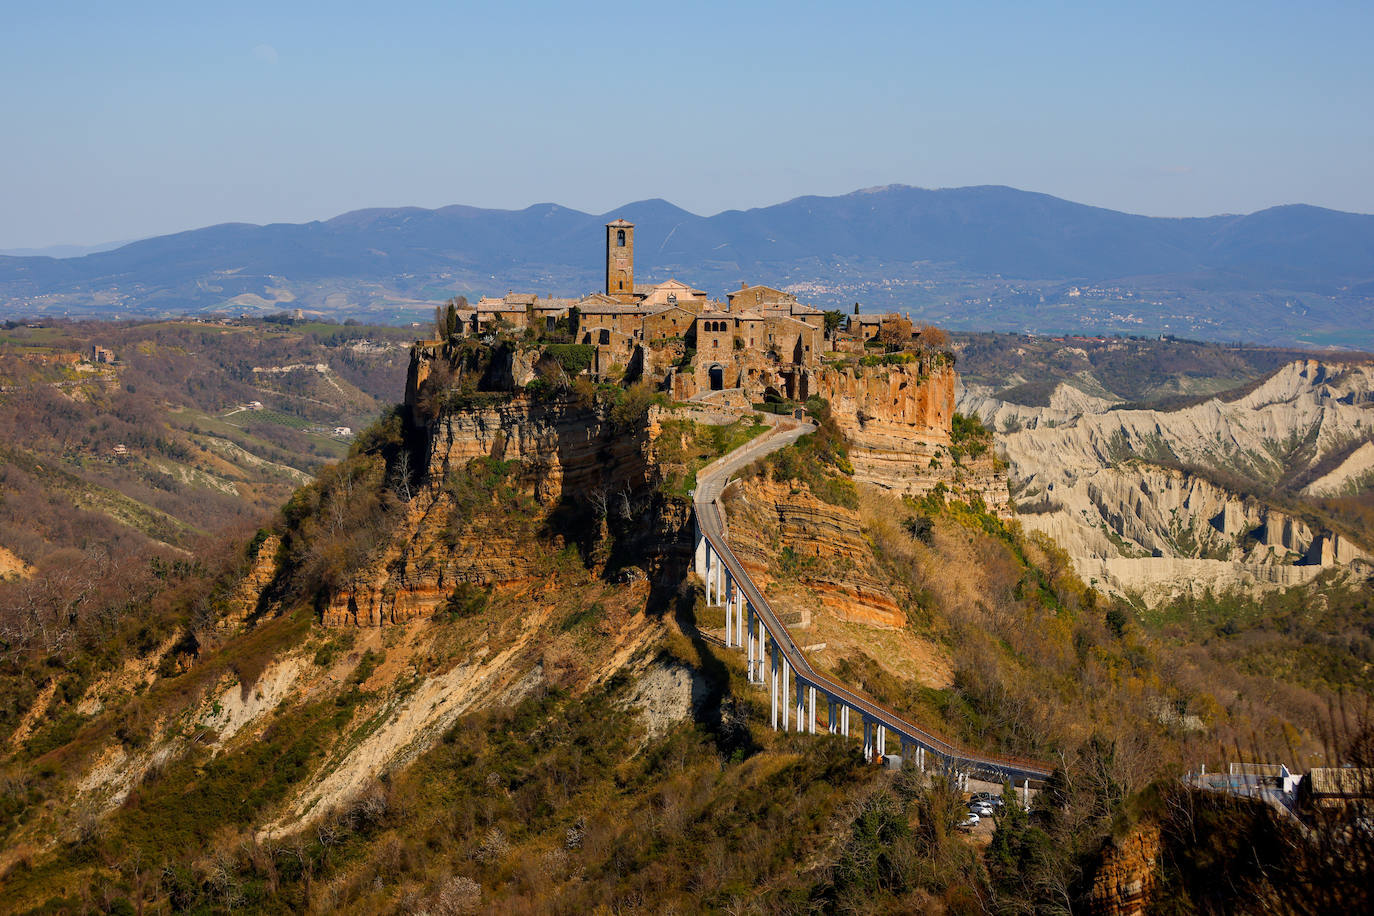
711,481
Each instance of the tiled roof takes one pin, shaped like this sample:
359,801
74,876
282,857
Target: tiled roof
611,308
1348,781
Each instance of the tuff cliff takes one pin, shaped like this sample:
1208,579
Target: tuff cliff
897,420
1125,879
548,459
789,540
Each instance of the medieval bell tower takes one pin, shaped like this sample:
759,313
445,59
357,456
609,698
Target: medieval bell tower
620,259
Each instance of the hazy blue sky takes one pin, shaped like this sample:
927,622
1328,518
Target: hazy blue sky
129,119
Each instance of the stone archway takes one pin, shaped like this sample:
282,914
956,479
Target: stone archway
717,376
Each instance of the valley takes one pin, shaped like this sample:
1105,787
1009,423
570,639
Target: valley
119,438
1259,485
471,665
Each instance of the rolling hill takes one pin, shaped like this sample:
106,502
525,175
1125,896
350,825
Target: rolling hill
978,257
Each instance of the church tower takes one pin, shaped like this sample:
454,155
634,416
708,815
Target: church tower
620,260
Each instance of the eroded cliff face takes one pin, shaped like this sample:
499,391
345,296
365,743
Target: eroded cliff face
897,419
1104,482
565,461
1125,879
824,549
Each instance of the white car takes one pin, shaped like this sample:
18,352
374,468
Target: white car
969,822
981,809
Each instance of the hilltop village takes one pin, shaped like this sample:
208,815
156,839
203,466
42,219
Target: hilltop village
888,386
760,343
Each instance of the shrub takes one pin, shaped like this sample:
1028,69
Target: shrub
573,358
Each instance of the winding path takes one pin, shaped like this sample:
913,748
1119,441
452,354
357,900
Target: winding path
752,625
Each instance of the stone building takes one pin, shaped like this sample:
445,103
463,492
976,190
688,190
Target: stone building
620,260
760,341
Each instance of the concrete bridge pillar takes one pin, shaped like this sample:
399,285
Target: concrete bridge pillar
699,554
921,759
800,701
761,635
721,573
741,627
830,724
882,740
729,609
786,677
844,720
715,577
811,711
1025,794
749,647
706,569
773,681
868,739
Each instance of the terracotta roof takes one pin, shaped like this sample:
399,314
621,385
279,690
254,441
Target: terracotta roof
790,321
619,224
497,305
611,308
759,286
660,309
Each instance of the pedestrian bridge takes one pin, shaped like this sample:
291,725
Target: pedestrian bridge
774,660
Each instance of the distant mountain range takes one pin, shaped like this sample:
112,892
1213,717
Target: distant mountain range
989,257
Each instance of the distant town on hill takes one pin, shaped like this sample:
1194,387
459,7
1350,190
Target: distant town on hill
989,258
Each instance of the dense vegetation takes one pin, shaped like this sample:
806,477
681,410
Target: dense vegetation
819,459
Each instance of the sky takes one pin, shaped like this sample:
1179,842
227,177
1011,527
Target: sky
122,121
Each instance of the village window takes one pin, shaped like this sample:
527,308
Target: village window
620,238
715,343
605,336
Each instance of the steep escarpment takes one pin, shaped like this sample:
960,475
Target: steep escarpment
548,466
896,417
1214,495
789,540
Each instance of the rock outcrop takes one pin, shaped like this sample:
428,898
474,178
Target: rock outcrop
897,419
825,544
563,454
1125,879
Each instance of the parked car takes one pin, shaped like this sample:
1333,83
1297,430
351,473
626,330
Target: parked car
981,809
969,822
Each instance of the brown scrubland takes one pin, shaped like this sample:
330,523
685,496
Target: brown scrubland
537,721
